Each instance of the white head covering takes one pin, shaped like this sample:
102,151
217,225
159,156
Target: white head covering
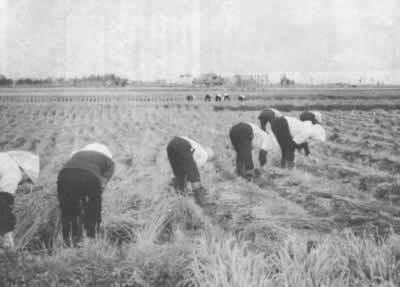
28,162
99,148
318,116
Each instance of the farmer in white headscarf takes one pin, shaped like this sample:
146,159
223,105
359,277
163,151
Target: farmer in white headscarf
80,185
17,168
244,138
292,133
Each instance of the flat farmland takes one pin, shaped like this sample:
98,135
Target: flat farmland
345,198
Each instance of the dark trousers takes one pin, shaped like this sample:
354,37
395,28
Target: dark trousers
281,130
180,156
241,136
7,217
79,194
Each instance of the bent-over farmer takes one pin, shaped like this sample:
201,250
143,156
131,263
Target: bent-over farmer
245,137
186,156
80,185
17,168
292,133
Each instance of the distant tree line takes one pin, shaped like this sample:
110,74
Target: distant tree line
107,80
5,82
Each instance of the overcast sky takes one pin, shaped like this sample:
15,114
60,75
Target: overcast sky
147,39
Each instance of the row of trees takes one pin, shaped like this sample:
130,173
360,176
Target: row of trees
211,79
4,81
108,80
111,80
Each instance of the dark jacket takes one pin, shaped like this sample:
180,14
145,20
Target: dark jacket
95,162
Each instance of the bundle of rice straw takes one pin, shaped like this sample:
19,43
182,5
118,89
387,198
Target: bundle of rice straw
38,219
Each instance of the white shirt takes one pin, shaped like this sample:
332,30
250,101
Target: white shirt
200,155
304,131
264,140
10,174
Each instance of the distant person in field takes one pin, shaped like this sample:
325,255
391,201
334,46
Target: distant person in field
316,119
292,133
18,170
266,116
186,156
80,185
245,137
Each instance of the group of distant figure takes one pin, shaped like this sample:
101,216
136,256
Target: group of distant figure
217,98
86,173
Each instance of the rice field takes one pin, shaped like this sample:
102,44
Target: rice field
344,199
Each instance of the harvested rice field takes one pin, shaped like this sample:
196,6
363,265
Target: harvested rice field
334,220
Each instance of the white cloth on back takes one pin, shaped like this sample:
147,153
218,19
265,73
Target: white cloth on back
10,174
200,154
264,140
11,164
28,162
303,131
98,147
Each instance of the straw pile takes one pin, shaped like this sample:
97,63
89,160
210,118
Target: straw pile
38,219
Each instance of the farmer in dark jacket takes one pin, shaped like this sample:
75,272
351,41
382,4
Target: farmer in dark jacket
186,156
245,137
292,133
266,116
80,186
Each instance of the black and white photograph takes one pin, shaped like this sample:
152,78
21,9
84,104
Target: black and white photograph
199,143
